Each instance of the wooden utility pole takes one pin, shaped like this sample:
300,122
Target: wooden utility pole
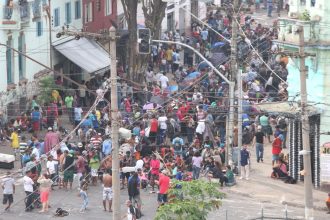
308,186
114,127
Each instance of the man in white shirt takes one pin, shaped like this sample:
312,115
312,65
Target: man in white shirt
163,81
28,188
35,152
162,127
51,168
8,187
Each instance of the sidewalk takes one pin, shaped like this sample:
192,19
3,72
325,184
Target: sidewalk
261,186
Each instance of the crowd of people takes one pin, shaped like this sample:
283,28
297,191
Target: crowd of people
182,137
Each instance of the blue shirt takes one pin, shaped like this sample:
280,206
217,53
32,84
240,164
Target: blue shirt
107,146
245,155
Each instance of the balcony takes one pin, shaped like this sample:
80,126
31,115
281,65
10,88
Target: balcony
9,18
288,32
24,12
36,10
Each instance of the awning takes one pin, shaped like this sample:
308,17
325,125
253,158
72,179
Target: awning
85,53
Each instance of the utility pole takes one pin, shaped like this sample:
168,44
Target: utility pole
234,72
114,127
239,114
308,187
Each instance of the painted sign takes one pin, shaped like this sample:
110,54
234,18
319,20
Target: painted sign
325,162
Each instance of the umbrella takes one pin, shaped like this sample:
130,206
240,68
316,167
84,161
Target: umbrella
218,44
173,88
202,65
150,106
192,75
157,99
218,59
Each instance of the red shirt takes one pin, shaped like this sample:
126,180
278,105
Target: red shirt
155,165
276,149
154,125
164,184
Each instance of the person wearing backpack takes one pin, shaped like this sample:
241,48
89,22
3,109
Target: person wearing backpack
177,145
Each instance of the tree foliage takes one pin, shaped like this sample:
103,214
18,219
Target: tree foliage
192,200
46,85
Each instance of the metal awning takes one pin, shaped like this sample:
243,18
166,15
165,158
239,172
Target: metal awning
85,53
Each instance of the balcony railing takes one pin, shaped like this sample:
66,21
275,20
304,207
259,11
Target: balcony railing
8,12
289,27
25,12
36,9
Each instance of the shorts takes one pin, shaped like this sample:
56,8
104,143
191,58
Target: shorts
136,200
162,198
267,130
44,196
94,172
7,198
107,193
125,175
275,157
68,176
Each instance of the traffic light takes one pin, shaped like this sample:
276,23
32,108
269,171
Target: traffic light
144,40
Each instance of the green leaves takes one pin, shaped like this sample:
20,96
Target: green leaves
190,200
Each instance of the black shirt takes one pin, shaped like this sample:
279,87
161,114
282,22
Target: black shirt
68,165
260,137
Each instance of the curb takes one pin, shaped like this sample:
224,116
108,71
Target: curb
293,204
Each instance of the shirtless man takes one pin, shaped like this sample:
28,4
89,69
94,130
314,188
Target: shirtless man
107,191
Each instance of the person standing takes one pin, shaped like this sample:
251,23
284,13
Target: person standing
51,139
28,188
153,129
82,94
45,186
69,106
51,168
276,148
68,169
36,119
134,190
265,126
164,185
269,8
162,128
107,191
84,196
164,82
197,164
154,165
77,115
8,186
245,161
131,214
15,142
259,139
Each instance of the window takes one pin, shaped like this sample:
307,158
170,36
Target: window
39,28
77,10
9,62
313,3
56,17
21,58
68,13
89,12
108,7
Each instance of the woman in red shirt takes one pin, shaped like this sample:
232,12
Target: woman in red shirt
276,148
153,129
155,165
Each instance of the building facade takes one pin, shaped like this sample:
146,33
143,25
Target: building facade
313,16
99,15
24,27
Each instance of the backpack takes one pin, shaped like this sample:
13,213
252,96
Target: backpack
138,213
61,213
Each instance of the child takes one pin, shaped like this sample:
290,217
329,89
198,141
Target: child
45,186
83,195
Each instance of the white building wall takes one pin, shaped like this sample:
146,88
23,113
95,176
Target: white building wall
37,47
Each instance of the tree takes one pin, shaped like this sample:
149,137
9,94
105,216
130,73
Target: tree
190,200
46,85
154,13
130,11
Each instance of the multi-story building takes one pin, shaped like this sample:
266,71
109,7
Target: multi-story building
81,57
24,27
99,15
313,16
